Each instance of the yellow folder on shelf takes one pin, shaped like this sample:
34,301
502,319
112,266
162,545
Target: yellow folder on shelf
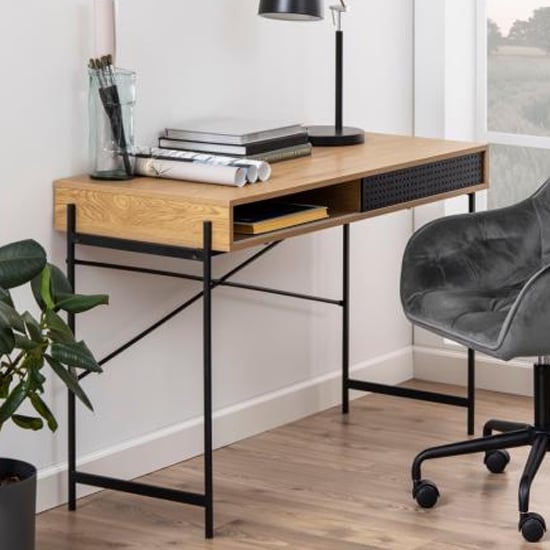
273,215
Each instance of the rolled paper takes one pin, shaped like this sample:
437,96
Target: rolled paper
256,169
192,171
263,167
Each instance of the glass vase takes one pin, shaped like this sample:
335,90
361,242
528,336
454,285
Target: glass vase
112,97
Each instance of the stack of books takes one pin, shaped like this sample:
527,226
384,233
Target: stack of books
239,138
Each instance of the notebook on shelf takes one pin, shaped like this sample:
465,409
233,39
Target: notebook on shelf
252,219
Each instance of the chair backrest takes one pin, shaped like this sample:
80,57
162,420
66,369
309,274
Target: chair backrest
541,203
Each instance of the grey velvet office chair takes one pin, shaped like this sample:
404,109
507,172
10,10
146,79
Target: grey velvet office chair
483,280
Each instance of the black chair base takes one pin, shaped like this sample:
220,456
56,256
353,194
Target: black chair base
514,434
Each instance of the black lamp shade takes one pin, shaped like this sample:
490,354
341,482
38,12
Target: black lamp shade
292,10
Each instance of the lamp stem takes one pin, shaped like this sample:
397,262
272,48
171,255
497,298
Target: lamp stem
338,134
339,80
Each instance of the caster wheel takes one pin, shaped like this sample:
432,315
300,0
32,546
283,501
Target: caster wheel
496,461
532,526
426,493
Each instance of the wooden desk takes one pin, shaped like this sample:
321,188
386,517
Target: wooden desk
195,221
172,212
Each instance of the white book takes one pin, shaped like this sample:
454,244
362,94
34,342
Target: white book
233,131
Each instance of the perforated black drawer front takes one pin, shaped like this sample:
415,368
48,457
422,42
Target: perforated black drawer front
421,181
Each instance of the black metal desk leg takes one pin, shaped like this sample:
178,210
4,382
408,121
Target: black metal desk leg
471,354
471,390
471,202
207,358
345,320
71,411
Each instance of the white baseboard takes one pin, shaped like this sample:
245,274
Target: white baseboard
162,448
449,367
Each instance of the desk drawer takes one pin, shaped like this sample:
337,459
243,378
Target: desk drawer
422,181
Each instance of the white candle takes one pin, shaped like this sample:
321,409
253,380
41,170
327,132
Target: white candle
104,28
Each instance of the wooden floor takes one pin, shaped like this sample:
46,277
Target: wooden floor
325,483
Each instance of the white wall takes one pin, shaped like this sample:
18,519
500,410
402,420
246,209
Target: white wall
445,70
444,94
444,81
447,105
42,119
204,57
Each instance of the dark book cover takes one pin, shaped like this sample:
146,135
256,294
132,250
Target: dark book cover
258,212
239,150
272,215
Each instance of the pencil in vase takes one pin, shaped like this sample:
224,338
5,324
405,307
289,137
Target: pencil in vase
111,114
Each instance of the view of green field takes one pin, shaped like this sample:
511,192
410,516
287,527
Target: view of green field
518,102
518,93
516,172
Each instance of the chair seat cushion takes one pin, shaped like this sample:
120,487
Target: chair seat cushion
466,315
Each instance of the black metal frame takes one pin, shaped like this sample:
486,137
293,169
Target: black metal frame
397,391
205,255
206,499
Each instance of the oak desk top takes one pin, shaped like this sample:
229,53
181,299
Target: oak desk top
171,212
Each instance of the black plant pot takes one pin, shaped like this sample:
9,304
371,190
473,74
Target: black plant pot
17,506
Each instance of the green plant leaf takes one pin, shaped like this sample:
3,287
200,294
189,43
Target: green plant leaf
77,303
20,262
58,330
5,383
5,297
23,343
36,379
9,317
35,287
28,422
75,354
69,379
59,284
45,288
7,340
14,399
43,410
33,328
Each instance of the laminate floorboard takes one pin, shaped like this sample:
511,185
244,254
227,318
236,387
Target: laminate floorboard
326,482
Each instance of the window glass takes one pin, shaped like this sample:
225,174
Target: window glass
516,172
518,66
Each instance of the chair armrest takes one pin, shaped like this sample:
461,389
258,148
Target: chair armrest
526,329
479,250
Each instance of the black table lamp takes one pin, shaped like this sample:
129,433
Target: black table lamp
312,10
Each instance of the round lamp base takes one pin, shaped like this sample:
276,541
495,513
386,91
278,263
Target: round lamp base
328,136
